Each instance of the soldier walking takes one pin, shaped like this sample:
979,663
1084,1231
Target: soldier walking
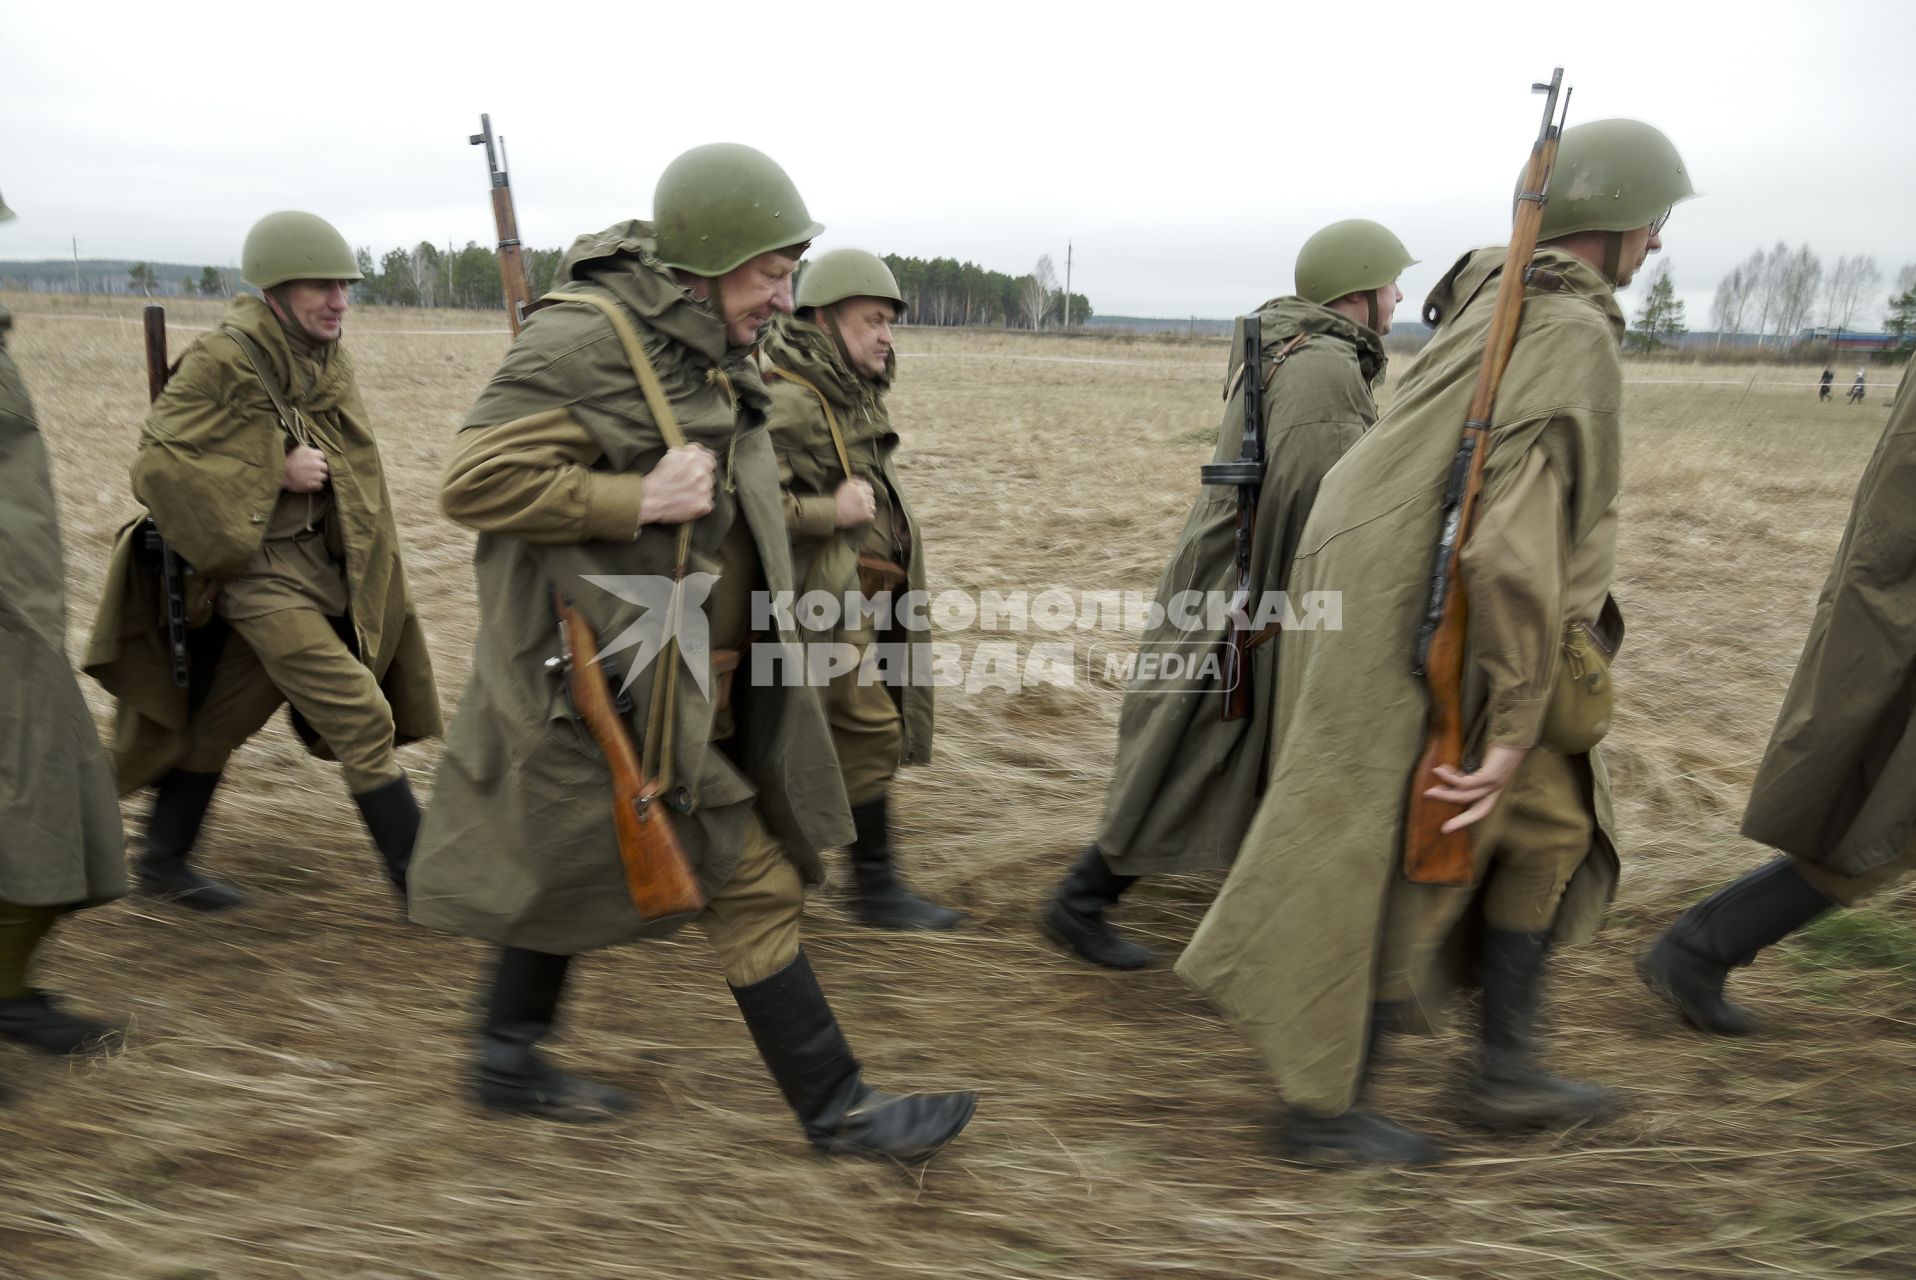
828,369
1187,780
1836,793
624,434
64,849
1857,388
259,467
1319,940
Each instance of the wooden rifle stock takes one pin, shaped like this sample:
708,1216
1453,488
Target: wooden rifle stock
153,319
512,262
1432,855
657,873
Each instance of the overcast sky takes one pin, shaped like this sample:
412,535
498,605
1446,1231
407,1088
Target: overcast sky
1186,149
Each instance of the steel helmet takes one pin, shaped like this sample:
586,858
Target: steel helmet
1612,175
295,246
723,204
1349,257
847,273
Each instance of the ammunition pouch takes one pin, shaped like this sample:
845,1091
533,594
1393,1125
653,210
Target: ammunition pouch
1583,699
877,575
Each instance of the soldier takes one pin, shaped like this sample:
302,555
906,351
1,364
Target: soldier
1187,780
1823,384
259,467
1317,922
827,370
1857,388
626,418
1836,793
64,849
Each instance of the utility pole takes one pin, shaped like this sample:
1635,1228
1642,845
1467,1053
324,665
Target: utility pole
76,264
1067,286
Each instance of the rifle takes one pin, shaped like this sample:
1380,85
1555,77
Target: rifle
1432,856
1247,473
172,568
657,874
512,263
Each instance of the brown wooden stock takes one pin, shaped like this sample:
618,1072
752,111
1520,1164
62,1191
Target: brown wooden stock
657,873
154,320
1431,855
512,262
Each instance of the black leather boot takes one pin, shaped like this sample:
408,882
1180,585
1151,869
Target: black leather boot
1689,964
392,816
1356,1137
882,902
1511,1090
800,1040
180,802
511,1074
1074,917
36,1021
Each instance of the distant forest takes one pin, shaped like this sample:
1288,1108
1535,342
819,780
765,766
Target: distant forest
939,291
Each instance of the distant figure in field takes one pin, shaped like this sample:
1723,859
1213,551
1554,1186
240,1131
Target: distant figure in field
1823,386
1856,389
1836,793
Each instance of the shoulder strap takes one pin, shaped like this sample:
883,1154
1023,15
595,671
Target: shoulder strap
662,722
648,377
831,419
1284,353
257,358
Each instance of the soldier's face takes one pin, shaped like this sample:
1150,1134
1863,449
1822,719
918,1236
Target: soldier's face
864,325
316,306
1638,245
752,292
1387,299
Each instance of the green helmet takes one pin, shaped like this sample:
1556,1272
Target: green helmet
723,204
1612,175
6,214
847,273
295,246
1349,257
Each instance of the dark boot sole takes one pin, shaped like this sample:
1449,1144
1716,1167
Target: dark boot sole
916,1156
1655,975
559,1111
1128,964
1497,1117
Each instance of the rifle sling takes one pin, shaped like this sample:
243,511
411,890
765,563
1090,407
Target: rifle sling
831,419
656,755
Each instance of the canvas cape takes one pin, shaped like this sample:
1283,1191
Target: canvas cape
518,846
1288,950
63,843
1838,783
808,464
209,468
1187,781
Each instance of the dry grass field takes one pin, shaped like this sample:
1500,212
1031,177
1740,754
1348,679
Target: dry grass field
290,1103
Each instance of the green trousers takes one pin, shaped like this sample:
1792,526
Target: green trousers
21,929
867,733
294,655
1527,850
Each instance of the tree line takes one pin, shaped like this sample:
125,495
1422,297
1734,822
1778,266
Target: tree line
1781,291
941,291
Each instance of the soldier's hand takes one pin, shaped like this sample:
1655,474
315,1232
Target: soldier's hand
680,488
307,470
856,503
1478,789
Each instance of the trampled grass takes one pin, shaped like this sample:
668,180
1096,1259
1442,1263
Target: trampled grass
290,1103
